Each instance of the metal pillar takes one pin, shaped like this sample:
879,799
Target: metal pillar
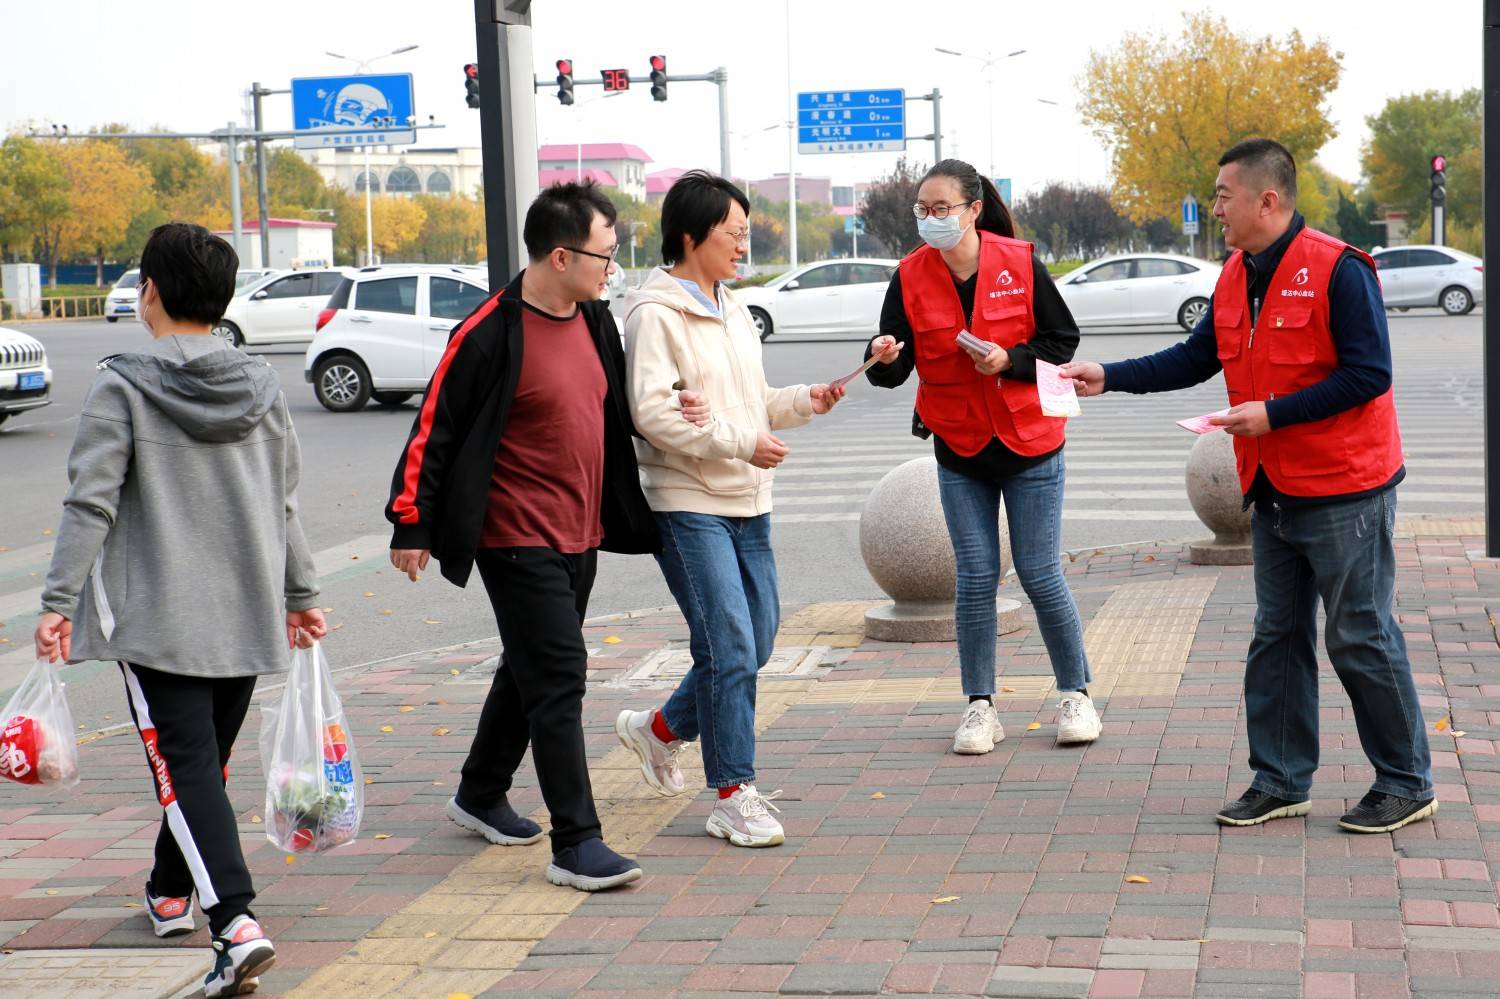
261,196
507,128
721,77
1491,153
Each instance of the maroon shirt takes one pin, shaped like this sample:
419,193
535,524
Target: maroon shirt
546,488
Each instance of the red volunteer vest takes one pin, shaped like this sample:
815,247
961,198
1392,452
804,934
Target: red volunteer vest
963,407
1289,348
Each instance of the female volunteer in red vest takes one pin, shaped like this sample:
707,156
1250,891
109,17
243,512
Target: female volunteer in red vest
989,433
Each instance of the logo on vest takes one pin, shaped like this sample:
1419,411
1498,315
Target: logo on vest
1003,277
1300,277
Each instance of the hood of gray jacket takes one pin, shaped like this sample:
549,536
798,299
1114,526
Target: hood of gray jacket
211,390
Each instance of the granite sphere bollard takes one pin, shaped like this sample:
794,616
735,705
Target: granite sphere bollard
904,541
1213,487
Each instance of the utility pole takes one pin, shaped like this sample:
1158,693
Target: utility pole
936,97
791,146
1491,83
236,224
507,128
260,178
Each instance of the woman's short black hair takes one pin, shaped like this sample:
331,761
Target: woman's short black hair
563,215
192,269
697,202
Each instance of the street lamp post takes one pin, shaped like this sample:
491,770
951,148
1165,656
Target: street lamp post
359,70
987,64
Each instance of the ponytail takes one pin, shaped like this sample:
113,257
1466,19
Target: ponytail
994,216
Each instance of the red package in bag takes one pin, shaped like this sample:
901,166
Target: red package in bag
37,745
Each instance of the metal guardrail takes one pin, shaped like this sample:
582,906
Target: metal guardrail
60,307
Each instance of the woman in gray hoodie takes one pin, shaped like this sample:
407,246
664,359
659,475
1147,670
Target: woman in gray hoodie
182,505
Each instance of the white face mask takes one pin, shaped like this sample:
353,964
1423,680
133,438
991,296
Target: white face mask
941,234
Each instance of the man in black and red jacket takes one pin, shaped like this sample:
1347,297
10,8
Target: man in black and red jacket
520,461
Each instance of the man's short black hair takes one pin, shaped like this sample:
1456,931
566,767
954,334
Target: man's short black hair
696,203
1269,162
192,269
563,215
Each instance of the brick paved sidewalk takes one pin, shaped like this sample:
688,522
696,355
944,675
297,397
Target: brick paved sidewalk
1034,871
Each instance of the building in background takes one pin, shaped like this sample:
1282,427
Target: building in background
660,182
623,163
402,170
810,190
294,243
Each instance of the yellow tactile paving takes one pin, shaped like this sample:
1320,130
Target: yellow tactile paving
428,948
1419,525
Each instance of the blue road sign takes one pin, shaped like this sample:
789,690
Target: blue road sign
851,121
854,224
1002,184
370,110
1190,215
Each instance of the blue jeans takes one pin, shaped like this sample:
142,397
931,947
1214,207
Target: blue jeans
722,572
1033,509
1344,553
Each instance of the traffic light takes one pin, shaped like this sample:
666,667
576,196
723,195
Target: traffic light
471,84
1439,179
658,78
565,81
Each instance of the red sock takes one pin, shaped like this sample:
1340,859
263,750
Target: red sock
725,792
659,727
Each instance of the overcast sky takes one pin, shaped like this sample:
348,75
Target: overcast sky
185,64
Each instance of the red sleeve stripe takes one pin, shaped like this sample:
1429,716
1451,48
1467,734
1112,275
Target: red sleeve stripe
405,505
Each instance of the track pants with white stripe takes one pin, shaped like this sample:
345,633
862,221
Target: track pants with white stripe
188,725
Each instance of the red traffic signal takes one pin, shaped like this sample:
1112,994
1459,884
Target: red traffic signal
471,84
658,78
565,67
565,81
1439,164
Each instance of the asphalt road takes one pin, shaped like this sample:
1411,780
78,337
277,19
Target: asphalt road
1125,462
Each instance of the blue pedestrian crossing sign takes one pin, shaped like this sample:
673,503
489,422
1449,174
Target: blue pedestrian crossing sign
373,109
1190,216
851,121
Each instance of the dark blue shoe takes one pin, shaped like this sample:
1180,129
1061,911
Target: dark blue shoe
499,825
591,866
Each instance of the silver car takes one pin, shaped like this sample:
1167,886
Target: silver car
1417,276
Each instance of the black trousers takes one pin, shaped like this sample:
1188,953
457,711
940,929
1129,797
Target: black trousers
540,598
188,725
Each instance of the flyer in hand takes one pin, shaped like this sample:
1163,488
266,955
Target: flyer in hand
1057,393
1200,424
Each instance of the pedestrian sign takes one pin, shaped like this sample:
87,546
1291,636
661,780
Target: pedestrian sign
1190,216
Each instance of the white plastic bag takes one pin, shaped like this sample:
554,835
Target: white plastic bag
37,743
315,793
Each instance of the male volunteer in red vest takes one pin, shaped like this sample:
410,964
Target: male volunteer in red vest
1298,327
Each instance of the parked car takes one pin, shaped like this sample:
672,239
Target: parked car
830,297
25,378
1143,289
245,276
281,307
384,330
1416,276
122,297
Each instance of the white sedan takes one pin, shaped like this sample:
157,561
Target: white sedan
827,298
1144,289
279,308
1430,275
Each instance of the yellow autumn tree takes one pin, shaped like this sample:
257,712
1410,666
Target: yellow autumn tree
1168,108
397,223
105,191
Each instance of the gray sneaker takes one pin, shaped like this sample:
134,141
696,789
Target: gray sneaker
658,759
744,818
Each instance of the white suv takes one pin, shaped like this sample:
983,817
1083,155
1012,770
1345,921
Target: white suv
281,307
385,329
25,378
123,296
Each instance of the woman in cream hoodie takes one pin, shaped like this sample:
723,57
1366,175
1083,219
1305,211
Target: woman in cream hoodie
710,490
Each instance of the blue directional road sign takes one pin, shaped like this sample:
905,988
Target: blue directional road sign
851,121
370,110
1190,216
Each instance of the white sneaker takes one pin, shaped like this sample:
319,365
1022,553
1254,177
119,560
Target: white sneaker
979,731
658,759
744,818
1077,721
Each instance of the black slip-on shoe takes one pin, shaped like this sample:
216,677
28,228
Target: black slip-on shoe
1255,807
591,866
1378,812
499,825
